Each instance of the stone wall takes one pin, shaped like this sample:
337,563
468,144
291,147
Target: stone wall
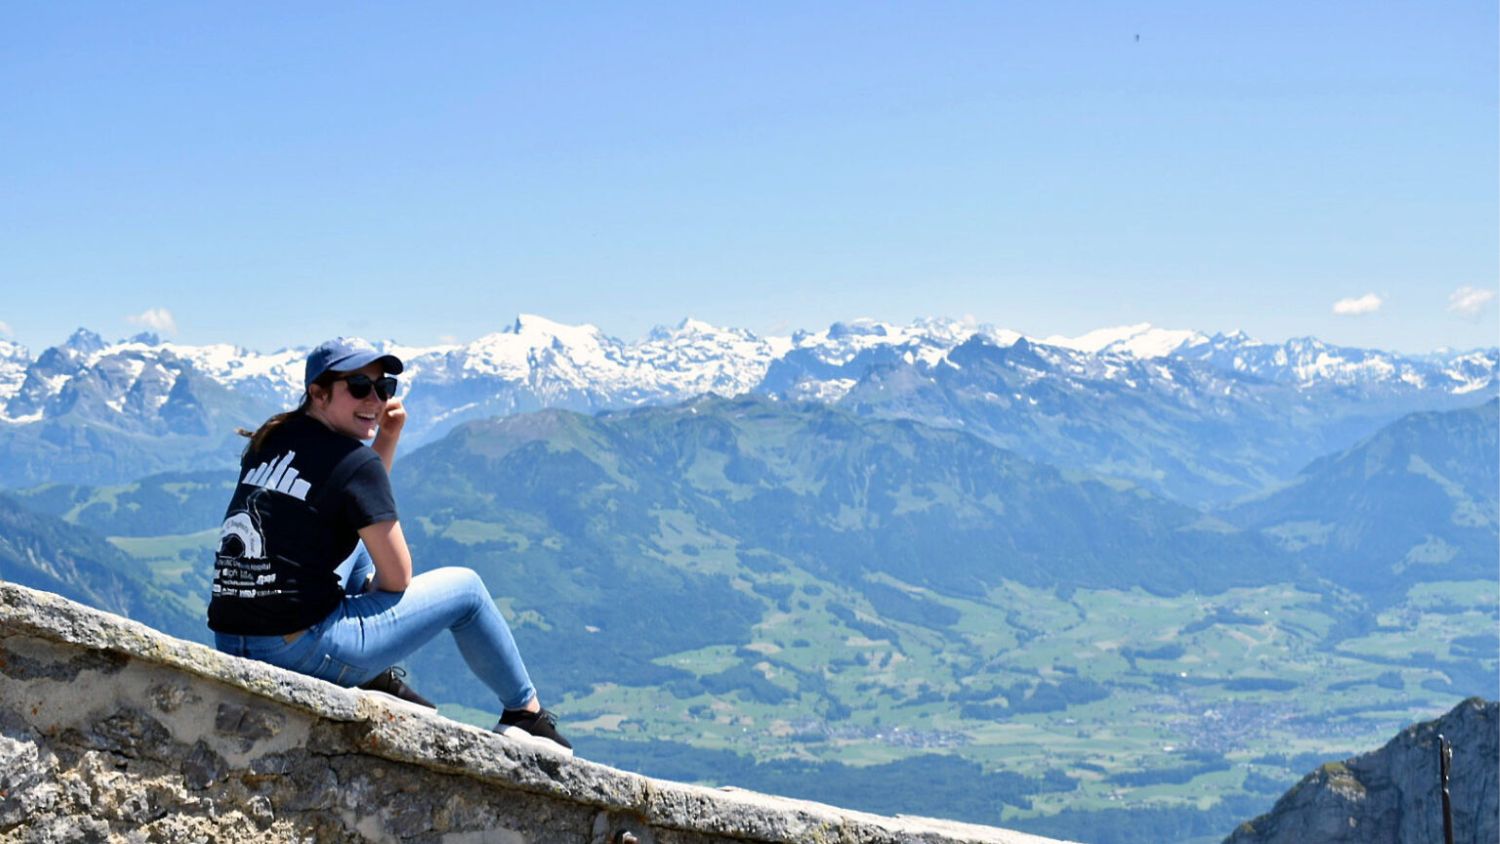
111,731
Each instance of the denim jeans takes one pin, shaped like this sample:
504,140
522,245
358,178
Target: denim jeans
371,631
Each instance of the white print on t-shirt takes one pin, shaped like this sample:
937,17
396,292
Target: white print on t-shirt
279,475
241,569
240,526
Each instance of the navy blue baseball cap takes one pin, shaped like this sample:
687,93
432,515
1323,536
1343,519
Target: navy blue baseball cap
345,354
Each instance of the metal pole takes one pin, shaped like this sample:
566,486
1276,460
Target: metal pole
1445,763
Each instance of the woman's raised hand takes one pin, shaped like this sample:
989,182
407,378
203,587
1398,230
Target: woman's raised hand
392,420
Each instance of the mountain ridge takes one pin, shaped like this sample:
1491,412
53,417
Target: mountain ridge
171,406
1378,538
520,349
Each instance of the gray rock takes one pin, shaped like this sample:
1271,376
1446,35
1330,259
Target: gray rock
128,732
203,767
1392,795
113,732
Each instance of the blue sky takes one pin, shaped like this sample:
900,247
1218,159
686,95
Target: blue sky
273,174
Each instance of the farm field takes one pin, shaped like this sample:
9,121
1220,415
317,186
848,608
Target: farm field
1139,700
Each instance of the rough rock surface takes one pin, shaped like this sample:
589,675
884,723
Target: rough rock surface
113,732
1392,795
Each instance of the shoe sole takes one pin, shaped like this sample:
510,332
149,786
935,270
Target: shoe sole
539,742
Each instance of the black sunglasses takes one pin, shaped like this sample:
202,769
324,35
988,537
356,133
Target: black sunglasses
360,385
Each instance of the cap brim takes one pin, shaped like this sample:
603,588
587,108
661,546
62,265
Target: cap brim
389,363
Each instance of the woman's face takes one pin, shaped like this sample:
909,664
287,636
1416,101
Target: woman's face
357,418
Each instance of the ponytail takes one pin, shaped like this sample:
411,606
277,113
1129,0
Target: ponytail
258,436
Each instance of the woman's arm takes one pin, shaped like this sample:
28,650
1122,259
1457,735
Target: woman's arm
387,546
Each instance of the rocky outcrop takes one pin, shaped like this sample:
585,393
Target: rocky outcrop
111,731
1392,795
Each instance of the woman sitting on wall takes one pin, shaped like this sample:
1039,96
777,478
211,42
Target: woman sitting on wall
312,572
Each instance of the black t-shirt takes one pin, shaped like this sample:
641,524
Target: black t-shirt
295,515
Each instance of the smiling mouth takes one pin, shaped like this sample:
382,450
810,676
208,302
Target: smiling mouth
365,417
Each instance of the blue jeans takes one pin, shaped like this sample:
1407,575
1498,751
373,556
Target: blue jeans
371,631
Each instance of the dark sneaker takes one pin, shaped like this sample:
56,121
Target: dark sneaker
536,728
389,682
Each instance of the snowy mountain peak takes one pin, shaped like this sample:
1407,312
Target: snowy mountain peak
1239,338
84,341
694,329
1098,338
536,362
13,351
410,353
698,326
954,332
1141,340
533,326
860,328
576,353
866,333
14,360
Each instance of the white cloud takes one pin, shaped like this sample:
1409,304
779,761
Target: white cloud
1366,304
4,328
155,319
1469,301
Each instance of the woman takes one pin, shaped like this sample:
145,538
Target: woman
313,573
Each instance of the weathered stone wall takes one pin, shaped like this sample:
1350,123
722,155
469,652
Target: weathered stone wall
111,731
1393,794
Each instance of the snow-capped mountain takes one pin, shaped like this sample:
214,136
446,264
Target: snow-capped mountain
134,379
696,358
1141,340
549,364
825,365
564,364
14,361
1309,362
1146,393
535,363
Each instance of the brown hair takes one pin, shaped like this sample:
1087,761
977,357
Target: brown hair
258,436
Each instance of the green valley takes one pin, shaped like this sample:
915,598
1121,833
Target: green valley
1091,700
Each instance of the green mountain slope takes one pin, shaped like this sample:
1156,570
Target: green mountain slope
1201,435
632,536
157,505
837,494
44,552
1414,502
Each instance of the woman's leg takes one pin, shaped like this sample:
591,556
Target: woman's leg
376,629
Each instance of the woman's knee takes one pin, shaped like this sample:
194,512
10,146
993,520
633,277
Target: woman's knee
460,584
457,577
